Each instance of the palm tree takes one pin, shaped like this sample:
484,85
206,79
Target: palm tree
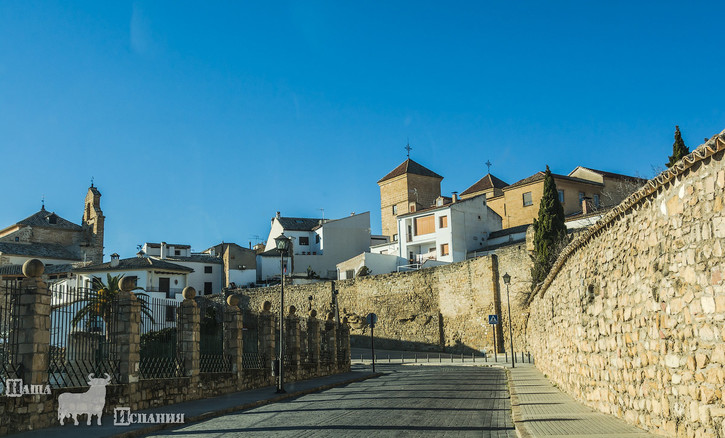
101,305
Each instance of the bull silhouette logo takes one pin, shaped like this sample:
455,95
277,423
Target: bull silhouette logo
90,402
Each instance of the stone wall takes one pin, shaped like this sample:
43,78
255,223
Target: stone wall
631,319
440,308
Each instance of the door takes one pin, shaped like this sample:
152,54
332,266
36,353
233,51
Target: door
165,285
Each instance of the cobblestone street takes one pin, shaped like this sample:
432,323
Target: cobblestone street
407,401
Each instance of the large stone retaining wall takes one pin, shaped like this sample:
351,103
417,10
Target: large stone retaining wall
441,308
631,319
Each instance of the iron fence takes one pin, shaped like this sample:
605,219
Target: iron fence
159,356
343,355
10,367
211,337
326,356
252,358
82,335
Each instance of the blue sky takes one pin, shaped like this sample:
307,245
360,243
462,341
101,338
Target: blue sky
199,121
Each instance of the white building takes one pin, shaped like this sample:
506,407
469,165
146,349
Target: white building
446,232
317,245
207,271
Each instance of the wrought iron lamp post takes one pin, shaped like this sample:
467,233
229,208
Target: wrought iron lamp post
283,244
507,280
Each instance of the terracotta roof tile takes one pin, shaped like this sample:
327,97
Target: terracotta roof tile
410,166
487,182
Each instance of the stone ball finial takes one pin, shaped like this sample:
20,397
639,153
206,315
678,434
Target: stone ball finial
33,268
188,293
233,300
313,313
266,306
292,310
127,284
330,316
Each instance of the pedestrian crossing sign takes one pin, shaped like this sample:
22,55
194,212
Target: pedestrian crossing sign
493,319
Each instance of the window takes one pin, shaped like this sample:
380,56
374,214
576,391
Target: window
596,201
581,197
444,249
17,239
177,252
305,241
208,269
207,288
561,196
395,209
170,313
164,284
443,222
527,199
395,237
412,208
350,273
317,238
424,225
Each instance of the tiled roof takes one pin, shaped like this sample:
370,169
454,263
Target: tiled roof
17,270
136,263
615,175
540,176
199,258
43,218
507,231
410,166
274,252
487,182
47,250
298,223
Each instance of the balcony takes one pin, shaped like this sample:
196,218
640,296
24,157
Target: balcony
421,258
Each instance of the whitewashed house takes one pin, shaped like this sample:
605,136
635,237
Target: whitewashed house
317,246
446,232
207,271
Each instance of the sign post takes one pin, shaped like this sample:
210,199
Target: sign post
372,320
493,320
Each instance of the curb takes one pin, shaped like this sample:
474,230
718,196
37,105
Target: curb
219,413
516,414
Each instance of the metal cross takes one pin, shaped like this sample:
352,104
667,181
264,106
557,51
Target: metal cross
488,164
408,148
91,181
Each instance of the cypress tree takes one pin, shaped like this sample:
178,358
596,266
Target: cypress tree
679,149
549,230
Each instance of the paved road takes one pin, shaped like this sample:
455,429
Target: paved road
407,401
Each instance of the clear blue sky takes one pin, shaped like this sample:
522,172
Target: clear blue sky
199,121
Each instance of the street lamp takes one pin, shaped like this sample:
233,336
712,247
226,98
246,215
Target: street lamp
283,244
507,280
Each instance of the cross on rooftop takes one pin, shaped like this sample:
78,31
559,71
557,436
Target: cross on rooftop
408,148
488,164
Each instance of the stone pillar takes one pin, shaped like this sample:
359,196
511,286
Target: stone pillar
313,339
126,332
233,335
33,324
331,339
267,328
292,341
188,334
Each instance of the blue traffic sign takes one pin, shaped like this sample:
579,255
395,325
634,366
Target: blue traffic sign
493,319
372,319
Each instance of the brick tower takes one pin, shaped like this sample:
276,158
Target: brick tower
409,187
93,223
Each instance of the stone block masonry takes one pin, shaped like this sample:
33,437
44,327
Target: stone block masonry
444,308
631,321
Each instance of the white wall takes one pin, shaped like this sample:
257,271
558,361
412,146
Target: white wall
197,278
243,277
377,263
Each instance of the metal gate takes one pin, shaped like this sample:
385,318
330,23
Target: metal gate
159,356
212,358
10,367
82,326
251,357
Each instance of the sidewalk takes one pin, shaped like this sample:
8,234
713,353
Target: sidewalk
541,410
198,410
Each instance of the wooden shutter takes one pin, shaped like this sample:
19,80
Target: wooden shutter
424,225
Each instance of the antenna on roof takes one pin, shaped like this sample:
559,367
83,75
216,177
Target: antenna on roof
91,181
408,148
488,164
323,214
42,202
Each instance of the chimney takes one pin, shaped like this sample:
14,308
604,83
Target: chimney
277,215
163,251
114,260
352,214
585,205
454,197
